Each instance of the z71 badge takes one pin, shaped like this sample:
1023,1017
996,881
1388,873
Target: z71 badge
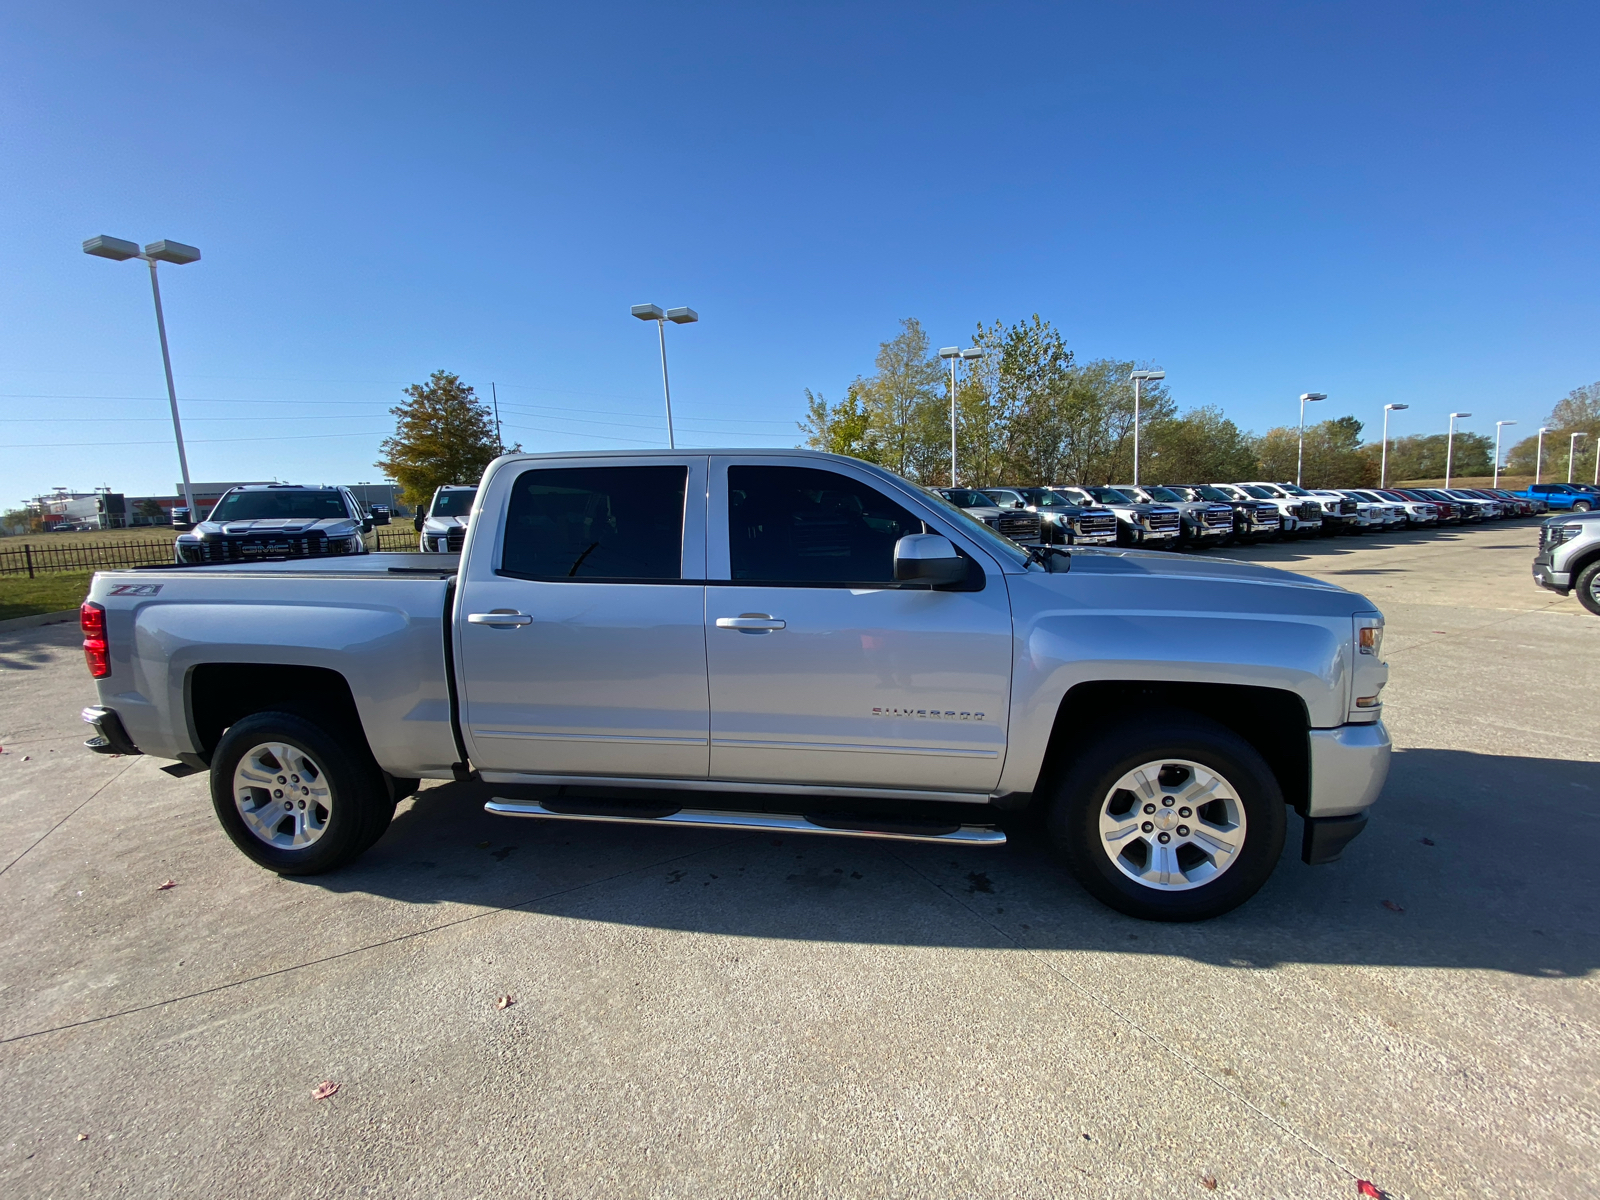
135,589
930,714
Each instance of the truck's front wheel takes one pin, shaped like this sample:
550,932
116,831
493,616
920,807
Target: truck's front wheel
1587,585
1174,818
293,797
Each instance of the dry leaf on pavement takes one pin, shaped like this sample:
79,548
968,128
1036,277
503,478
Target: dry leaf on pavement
83,1137
162,887
1370,1190
505,1002
1392,907
325,1089
1209,1182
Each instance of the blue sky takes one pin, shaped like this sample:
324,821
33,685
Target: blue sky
1385,202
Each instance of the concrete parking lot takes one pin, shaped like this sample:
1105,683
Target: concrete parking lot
711,1014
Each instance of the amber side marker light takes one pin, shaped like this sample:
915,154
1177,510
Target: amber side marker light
92,617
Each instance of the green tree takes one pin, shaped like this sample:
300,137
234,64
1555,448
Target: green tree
1424,456
842,428
443,434
1201,446
1577,412
905,403
1334,456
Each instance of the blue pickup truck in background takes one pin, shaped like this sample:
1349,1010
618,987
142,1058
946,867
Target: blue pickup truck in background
1579,497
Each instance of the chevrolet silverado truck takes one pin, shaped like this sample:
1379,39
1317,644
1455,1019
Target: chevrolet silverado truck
1568,559
442,529
770,640
279,520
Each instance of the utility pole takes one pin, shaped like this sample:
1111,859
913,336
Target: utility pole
499,442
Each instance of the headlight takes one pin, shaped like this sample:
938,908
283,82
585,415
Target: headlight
1563,533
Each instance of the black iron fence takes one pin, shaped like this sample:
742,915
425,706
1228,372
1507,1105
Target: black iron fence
32,559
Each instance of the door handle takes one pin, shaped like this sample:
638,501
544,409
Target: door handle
751,623
499,618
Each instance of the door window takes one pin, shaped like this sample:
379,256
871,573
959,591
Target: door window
611,523
802,525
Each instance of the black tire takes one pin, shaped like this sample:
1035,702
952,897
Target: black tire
359,803
1075,808
1587,585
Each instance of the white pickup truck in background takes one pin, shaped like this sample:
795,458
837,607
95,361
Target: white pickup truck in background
784,639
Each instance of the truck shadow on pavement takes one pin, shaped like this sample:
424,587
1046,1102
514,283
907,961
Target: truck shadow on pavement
1470,861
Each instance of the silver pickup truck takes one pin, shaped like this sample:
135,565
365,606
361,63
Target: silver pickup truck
781,640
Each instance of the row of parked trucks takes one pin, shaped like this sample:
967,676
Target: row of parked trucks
1198,515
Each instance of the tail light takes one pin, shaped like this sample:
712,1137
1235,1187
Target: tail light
92,617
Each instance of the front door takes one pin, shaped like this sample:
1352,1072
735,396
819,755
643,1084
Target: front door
582,643
822,669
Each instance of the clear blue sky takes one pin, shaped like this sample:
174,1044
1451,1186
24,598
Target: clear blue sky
1385,202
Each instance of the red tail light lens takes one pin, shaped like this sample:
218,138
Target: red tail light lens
95,652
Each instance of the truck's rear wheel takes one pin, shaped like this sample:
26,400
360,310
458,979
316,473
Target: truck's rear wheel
1171,818
294,797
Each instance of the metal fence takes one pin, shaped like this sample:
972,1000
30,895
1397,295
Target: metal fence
31,559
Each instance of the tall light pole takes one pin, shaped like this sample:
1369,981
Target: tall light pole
1538,459
1450,447
678,316
1572,444
1139,379
952,353
1300,456
178,255
1497,428
1383,470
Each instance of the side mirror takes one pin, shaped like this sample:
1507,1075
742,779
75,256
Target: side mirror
366,524
416,522
928,558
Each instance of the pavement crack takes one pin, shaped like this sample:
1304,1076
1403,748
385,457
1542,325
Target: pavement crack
1127,1019
355,950
70,815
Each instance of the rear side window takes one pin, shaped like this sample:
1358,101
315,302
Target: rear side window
615,523
802,525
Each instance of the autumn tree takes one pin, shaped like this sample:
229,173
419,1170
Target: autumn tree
1200,446
842,428
1577,412
443,434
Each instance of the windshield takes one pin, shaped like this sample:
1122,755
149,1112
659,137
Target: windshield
1005,499
1292,490
1165,495
1207,492
289,504
455,503
1110,495
1045,498
974,528
1074,495
1261,491
965,498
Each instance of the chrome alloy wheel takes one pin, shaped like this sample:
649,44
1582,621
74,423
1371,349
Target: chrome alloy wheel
1172,825
282,795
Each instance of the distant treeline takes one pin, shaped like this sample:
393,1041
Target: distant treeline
1030,413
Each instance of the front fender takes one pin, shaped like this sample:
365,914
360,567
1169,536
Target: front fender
1213,633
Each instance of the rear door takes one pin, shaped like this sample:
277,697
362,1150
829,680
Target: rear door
581,630
822,669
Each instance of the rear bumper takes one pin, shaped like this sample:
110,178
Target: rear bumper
110,737
1348,767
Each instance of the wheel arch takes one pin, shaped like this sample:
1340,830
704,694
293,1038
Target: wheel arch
1273,721
218,694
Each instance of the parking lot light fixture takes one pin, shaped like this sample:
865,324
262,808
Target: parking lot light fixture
1572,448
178,255
1300,456
953,354
1383,470
1538,458
1450,447
1498,425
678,316
1139,379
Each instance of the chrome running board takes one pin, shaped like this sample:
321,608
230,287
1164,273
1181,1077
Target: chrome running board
839,825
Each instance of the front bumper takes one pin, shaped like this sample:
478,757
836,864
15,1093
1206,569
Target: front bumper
1348,766
1545,577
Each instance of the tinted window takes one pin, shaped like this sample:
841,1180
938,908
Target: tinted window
1110,496
292,504
1165,495
966,498
455,503
596,523
802,525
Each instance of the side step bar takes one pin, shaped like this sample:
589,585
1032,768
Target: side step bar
840,825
